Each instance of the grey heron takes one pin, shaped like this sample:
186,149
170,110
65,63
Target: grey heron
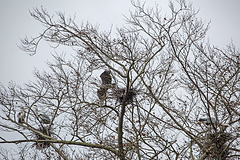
42,117
106,77
101,93
21,115
207,120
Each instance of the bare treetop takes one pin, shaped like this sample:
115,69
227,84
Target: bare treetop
141,93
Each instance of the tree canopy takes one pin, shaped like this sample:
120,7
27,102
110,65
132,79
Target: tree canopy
154,89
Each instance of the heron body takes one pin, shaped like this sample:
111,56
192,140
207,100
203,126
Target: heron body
21,116
101,93
106,78
43,118
207,121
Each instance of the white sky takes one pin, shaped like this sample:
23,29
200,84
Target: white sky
16,22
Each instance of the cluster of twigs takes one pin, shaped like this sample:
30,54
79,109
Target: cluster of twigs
41,143
121,92
216,145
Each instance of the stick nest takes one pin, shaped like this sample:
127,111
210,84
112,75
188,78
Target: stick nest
45,131
216,145
122,96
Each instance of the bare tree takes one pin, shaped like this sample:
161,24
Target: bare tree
156,90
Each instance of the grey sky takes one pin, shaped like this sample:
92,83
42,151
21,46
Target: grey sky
16,22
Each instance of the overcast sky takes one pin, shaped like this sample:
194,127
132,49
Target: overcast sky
16,22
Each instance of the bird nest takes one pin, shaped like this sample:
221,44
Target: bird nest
216,145
41,144
122,96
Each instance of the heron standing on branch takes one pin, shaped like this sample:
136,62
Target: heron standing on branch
106,78
21,115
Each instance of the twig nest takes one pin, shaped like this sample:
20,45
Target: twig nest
122,96
216,145
46,131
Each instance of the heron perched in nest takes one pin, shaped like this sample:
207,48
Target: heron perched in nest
42,117
21,115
